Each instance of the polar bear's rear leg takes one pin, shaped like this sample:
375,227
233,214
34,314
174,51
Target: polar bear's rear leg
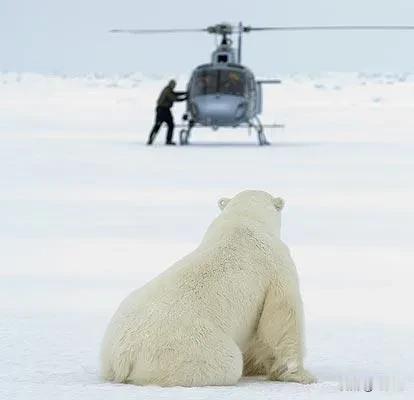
257,358
280,334
196,357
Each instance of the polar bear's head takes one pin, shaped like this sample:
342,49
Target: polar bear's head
256,206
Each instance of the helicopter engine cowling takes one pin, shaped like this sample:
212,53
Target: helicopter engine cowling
218,110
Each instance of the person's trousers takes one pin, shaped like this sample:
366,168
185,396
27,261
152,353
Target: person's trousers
163,114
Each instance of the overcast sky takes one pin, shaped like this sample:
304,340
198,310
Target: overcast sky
62,36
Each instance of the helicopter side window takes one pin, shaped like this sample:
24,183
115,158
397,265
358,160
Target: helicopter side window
232,82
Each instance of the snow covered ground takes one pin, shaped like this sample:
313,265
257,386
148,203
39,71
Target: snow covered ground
88,213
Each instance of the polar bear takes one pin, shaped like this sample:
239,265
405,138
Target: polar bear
232,307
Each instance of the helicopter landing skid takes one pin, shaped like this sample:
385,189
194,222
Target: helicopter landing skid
257,125
185,133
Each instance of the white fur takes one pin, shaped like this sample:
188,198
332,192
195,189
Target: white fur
232,306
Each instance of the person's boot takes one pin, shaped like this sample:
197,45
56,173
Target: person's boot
152,136
150,140
171,143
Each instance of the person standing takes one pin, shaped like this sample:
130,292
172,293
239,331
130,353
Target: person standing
163,112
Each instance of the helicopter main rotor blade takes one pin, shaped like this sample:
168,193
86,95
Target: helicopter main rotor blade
332,28
145,31
227,29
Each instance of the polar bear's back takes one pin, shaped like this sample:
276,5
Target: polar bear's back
216,268
206,277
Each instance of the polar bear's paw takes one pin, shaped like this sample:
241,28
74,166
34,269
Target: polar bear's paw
299,375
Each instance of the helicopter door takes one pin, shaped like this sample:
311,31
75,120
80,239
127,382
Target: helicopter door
251,95
258,98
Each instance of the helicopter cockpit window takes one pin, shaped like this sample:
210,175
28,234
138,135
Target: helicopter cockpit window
205,83
232,82
215,81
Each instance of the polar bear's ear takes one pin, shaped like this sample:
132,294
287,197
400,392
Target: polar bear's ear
222,203
279,203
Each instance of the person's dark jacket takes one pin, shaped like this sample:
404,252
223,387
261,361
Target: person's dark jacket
168,96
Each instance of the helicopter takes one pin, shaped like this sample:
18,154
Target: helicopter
224,92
